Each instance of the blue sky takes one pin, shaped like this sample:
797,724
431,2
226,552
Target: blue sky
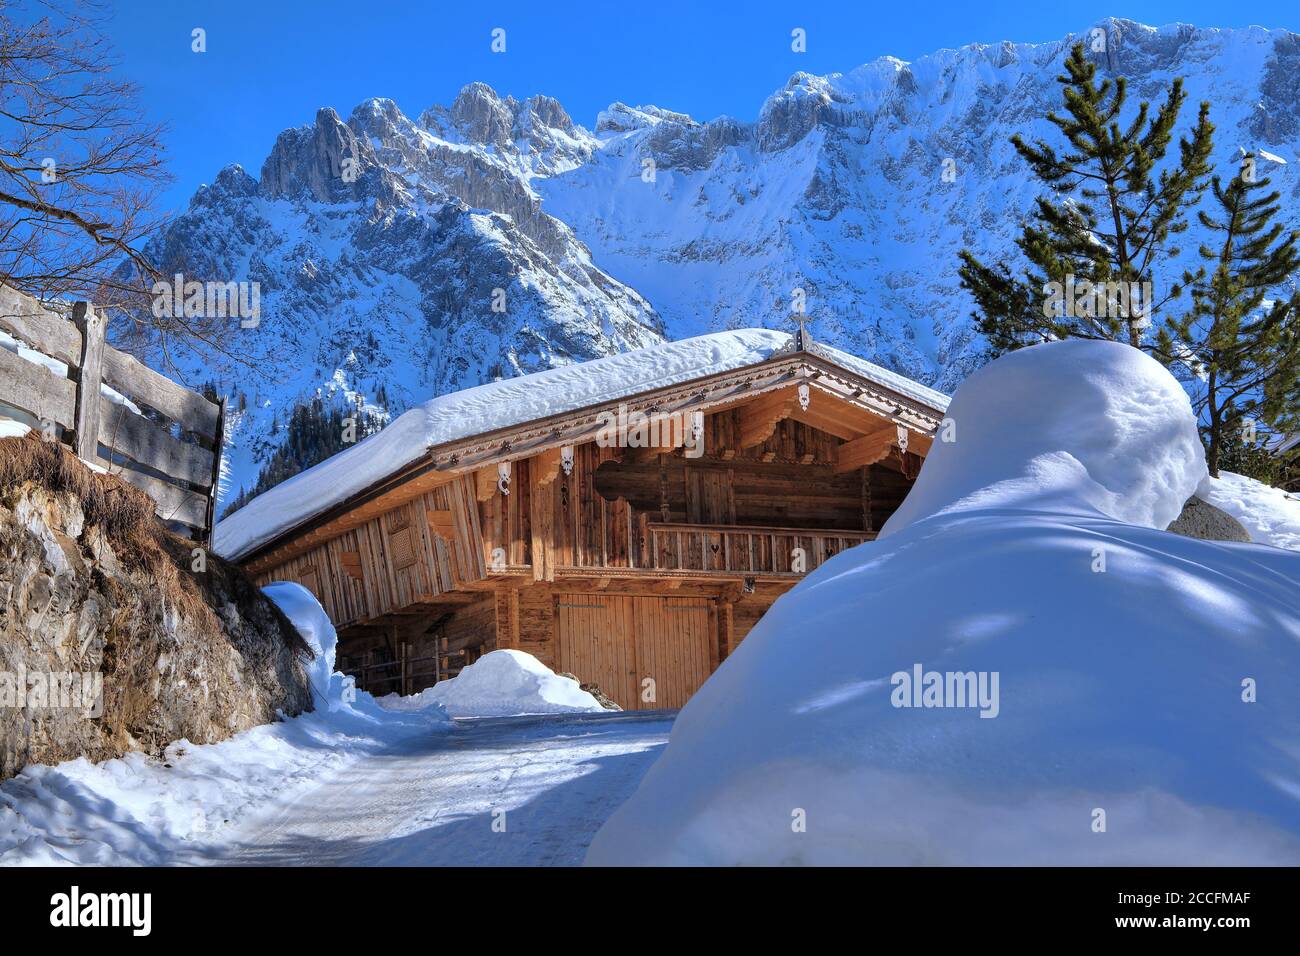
270,64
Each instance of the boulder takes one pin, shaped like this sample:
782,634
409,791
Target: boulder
1200,519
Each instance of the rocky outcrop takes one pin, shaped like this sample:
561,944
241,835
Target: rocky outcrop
396,260
788,116
1200,519
109,642
594,690
326,162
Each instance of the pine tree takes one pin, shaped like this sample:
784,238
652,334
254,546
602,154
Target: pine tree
315,432
1240,345
1094,244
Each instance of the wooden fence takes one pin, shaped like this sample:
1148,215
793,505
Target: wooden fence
405,676
170,449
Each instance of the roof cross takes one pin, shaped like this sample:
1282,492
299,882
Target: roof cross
801,337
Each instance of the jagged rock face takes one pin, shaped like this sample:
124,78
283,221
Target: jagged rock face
73,615
858,189
838,188
430,268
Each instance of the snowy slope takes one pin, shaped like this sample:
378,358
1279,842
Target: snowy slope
1109,662
836,188
431,269
1270,515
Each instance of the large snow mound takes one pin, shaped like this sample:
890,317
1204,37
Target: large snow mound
505,683
1076,426
1269,515
515,401
1143,711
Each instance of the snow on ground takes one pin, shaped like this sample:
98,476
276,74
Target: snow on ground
505,683
1095,672
522,791
1270,515
144,810
352,783
511,402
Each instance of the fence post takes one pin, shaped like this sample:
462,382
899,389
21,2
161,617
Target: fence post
86,425
218,442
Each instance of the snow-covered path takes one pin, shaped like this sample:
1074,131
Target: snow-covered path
528,791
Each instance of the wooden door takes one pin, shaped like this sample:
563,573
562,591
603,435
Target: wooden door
595,642
672,648
645,652
709,495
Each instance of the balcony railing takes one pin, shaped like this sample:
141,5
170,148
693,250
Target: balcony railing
753,549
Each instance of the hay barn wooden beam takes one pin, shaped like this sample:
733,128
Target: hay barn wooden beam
866,450
759,418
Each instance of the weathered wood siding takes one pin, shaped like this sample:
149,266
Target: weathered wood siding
644,651
625,508
395,559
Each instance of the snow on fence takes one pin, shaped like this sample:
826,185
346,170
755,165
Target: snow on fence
113,411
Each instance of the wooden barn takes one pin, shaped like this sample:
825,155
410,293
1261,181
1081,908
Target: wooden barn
627,520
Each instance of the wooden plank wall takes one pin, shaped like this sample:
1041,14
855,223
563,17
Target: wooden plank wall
395,559
605,509
621,641
525,622
596,644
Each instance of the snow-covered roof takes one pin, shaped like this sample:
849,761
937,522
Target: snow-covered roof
517,401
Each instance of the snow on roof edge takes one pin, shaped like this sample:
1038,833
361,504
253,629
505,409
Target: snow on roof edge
517,401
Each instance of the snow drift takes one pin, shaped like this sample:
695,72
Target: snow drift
504,683
1080,428
304,611
1269,515
1144,707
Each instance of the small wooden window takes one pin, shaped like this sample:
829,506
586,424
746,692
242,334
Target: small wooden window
307,578
351,562
401,547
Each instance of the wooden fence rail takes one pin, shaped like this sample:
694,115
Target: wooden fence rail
169,448
690,547
405,676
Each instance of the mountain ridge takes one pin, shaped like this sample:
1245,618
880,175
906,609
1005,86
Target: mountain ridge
494,236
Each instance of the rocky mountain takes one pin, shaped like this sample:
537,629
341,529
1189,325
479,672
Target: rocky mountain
494,236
